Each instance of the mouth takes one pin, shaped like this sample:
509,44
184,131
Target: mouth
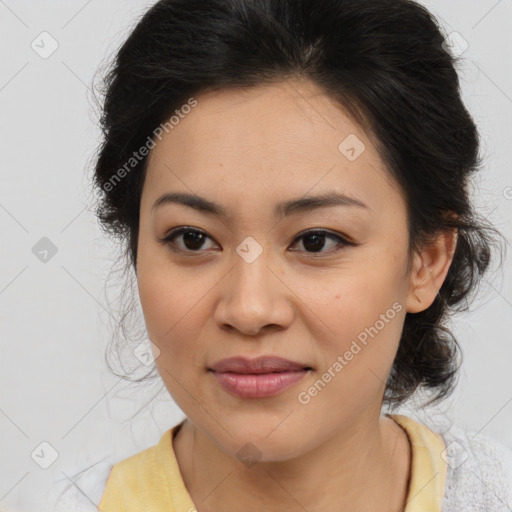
259,365
258,378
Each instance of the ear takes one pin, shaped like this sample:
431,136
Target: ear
429,271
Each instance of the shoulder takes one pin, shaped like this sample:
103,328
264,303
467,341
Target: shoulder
479,471
82,490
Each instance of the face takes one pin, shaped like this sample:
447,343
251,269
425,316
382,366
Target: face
250,281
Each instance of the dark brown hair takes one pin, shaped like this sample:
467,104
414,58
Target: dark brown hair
384,61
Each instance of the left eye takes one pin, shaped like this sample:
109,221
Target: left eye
313,240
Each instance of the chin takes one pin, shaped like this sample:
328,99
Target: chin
260,444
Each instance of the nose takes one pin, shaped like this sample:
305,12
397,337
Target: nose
254,298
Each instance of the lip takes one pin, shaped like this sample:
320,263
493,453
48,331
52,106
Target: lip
262,364
257,378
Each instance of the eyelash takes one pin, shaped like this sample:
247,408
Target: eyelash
171,235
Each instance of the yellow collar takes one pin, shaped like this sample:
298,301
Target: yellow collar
428,467
151,480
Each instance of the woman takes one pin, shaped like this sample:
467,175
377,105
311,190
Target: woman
290,179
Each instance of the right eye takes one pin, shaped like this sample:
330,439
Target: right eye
192,241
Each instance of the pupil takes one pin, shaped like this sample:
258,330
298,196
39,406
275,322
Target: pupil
193,238
318,242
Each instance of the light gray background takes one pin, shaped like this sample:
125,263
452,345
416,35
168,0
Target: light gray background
54,324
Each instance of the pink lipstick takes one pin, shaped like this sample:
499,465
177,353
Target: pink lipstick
258,378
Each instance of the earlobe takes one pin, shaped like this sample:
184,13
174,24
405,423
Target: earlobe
430,270
416,297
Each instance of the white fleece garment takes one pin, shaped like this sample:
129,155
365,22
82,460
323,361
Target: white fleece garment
479,477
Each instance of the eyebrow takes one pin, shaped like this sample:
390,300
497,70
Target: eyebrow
283,209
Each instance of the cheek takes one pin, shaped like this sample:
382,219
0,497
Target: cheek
168,302
170,315
367,321
366,313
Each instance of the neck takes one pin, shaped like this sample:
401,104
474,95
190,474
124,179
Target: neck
363,467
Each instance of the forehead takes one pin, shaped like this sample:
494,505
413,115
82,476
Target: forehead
267,142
